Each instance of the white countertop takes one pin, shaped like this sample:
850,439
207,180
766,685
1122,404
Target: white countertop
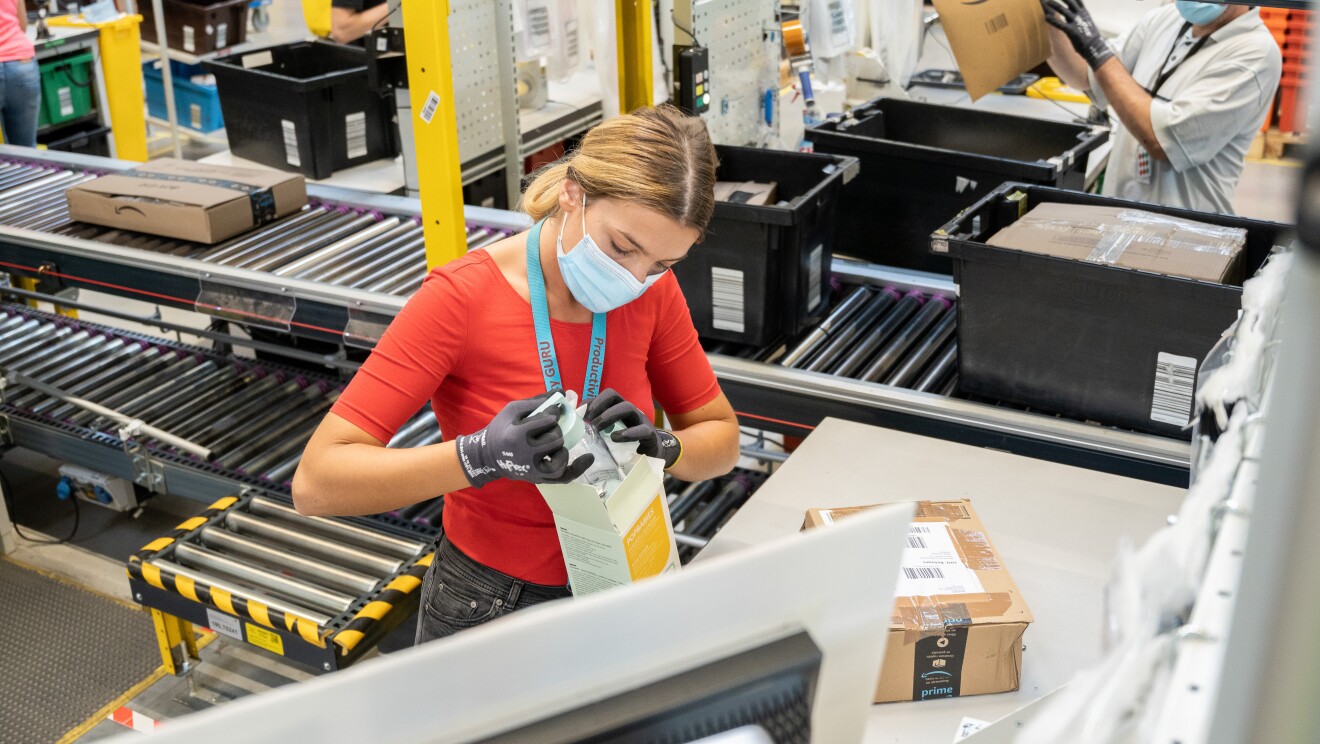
1057,528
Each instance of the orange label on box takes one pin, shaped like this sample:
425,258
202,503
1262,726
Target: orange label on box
647,543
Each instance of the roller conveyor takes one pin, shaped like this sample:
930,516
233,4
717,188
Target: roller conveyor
886,354
906,382
345,250
254,418
318,591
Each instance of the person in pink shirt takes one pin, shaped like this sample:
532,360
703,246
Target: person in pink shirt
20,80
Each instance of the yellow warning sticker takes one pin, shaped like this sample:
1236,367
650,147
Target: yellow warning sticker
262,638
647,542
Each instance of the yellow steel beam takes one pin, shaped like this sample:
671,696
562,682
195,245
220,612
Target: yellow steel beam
632,25
121,63
435,128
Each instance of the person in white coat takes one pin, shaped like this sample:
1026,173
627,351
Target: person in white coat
1191,85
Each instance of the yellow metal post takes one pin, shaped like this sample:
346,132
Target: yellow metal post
178,644
435,129
121,63
632,25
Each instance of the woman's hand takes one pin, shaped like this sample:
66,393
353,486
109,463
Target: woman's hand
519,446
610,408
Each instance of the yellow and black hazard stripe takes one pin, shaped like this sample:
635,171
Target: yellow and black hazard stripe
188,525
258,612
393,593
228,602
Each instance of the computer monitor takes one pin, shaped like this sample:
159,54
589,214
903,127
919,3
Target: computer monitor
801,620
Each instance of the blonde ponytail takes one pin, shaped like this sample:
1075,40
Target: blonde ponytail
654,157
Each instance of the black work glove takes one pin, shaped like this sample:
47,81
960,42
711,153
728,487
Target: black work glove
1072,18
609,408
519,447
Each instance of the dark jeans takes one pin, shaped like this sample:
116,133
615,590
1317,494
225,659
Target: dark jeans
20,95
459,593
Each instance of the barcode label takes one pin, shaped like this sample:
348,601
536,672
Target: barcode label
838,22
195,115
1175,384
916,542
538,22
922,572
66,101
919,529
571,37
290,142
428,110
355,135
189,39
815,268
996,24
221,35
726,299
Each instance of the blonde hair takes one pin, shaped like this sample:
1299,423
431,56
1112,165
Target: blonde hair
654,157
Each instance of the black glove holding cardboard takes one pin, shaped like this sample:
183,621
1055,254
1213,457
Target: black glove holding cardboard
518,446
1074,20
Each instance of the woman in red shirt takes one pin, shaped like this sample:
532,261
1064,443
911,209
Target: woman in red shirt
584,300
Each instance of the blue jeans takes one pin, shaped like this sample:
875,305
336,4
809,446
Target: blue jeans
20,96
459,593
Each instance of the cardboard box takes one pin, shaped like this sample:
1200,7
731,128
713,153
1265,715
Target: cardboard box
1132,238
623,538
187,200
994,41
745,192
958,618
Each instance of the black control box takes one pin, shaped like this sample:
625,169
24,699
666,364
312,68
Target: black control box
692,79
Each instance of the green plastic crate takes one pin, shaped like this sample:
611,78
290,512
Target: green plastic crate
66,89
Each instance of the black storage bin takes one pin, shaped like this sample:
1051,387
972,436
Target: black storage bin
922,163
764,271
1085,339
197,27
304,107
93,141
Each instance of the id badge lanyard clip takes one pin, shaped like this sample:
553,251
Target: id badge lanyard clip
546,356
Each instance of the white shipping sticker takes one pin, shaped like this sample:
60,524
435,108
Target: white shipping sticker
195,115
931,564
428,110
258,59
65,96
967,727
224,624
726,299
355,135
538,22
1175,384
290,142
189,39
815,269
221,35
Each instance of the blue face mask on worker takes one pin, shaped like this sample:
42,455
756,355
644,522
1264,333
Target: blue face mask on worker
596,280
1200,14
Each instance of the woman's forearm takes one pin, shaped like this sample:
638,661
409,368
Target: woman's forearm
710,450
351,478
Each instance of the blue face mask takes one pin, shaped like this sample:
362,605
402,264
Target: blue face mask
596,280
1200,14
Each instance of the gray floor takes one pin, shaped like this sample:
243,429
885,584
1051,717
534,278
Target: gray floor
67,653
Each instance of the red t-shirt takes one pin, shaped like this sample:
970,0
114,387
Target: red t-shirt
466,341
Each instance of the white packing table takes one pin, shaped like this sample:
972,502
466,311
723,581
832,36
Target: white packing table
1057,528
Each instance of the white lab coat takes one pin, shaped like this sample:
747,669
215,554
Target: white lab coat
1205,116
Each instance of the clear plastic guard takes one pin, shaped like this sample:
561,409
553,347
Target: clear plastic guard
365,328
272,310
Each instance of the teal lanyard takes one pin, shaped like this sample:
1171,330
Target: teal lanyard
545,341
